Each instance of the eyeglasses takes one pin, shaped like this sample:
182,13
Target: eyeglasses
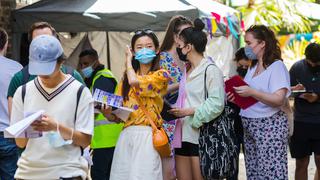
145,31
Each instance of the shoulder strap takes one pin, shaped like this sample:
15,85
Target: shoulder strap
23,92
143,108
75,114
25,75
78,99
205,81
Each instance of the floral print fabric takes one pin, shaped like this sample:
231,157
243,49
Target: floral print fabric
175,73
265,142
152,88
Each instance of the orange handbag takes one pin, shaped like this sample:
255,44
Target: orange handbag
161,142
159,136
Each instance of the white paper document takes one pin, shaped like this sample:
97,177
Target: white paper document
23,129
107,98
113,100
122,113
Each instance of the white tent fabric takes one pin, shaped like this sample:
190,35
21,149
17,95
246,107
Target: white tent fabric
107,24
221,50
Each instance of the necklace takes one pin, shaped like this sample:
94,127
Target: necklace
257,72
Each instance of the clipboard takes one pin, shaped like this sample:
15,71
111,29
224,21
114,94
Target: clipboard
242,102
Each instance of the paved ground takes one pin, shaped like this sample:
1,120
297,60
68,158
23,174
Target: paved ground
291,167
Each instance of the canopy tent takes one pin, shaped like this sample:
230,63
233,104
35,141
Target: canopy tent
108,22
101,15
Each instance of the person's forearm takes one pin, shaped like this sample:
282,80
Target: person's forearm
173,87
78,138
9,106
131,74
273,100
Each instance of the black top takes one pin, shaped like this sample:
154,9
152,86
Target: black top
301,72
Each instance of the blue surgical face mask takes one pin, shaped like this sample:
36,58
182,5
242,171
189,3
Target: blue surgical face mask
87,72
55,139
145,55
249,53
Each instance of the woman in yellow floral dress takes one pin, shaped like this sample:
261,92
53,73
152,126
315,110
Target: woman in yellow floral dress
135,156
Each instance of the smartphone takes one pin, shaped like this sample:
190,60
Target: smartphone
297,93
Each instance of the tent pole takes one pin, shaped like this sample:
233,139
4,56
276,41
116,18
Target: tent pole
108,51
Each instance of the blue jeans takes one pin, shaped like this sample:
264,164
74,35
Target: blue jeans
8,158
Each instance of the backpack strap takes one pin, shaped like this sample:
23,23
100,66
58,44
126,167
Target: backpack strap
23,92
26,75
75,114
78,99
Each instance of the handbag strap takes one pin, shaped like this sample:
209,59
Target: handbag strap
206,95
143,108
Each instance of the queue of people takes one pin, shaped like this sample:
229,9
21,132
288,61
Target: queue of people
174,71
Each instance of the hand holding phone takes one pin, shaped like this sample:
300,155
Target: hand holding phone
310,97
298,88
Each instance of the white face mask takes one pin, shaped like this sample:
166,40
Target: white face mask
56,140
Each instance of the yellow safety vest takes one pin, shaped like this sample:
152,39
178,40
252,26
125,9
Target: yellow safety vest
105,134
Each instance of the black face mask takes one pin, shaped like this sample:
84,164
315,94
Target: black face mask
182,57
242,71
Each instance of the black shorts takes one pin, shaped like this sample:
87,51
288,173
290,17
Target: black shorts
305,140
187,149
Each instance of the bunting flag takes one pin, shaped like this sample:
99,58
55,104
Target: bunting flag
242,22
214,27
227,26
209,25
217,16
231,28
242,43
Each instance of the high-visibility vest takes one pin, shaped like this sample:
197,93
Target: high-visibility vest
105,134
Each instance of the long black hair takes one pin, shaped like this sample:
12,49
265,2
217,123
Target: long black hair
135,64
195,36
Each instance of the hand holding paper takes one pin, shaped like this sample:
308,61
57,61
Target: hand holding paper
22,129
46,123
108,99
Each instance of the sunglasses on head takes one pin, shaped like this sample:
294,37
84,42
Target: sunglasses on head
145,31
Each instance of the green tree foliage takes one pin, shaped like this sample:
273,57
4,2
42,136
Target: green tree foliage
277,14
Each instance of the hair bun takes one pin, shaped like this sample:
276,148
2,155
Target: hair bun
198,24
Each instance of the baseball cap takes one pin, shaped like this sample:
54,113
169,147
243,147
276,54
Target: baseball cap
43,54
